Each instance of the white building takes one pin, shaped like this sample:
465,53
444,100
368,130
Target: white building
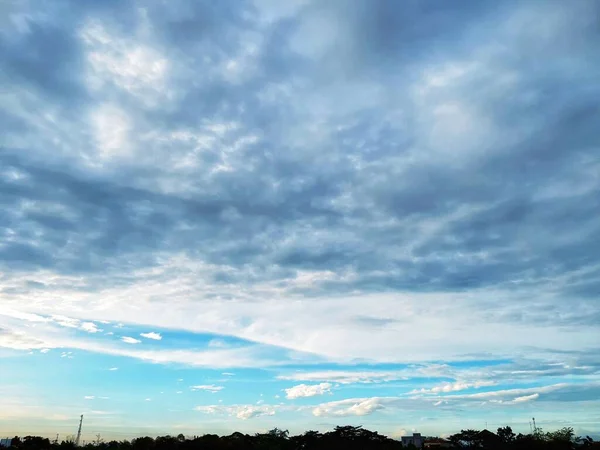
415,440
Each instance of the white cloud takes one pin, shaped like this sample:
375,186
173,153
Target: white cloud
305,390
112,60
227,374
112,127
67,322
112,369
206,387
89,397
345,376
90,327
323,331
526,398
130,340
243,412
510,392
455,387
152,335
248,412
44,350
28,317
349,407
19,340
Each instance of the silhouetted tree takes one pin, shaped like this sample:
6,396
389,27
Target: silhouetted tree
343,437
506,435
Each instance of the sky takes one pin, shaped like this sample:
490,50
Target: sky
240,215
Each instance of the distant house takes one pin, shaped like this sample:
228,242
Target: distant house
487,437
416,439
435,442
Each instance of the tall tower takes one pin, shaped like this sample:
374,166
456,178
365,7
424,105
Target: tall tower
79,432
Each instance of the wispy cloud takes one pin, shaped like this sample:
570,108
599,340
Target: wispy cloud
130,340
457,386
345,376
152,335
526,398
349,407
207,387
243,412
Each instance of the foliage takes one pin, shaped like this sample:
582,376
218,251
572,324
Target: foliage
346,437
505,438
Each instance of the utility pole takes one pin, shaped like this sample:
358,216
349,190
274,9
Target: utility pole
534,425
79,432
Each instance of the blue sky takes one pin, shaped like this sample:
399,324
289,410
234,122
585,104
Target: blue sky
237,215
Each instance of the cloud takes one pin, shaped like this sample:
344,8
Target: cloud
526,398
243,412
349,407
113,369
457,386
90,327
248,412
304,390
345,377
64,321
89,397
512,392
345,229
152,335
19,340
207,387
294,178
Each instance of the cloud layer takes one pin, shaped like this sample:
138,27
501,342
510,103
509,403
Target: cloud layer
339,196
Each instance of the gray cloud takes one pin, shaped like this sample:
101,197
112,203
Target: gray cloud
412,160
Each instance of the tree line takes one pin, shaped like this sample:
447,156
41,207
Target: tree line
342,437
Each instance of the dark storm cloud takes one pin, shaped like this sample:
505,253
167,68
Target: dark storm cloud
363,192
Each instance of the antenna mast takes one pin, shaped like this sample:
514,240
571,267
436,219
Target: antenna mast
79,432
